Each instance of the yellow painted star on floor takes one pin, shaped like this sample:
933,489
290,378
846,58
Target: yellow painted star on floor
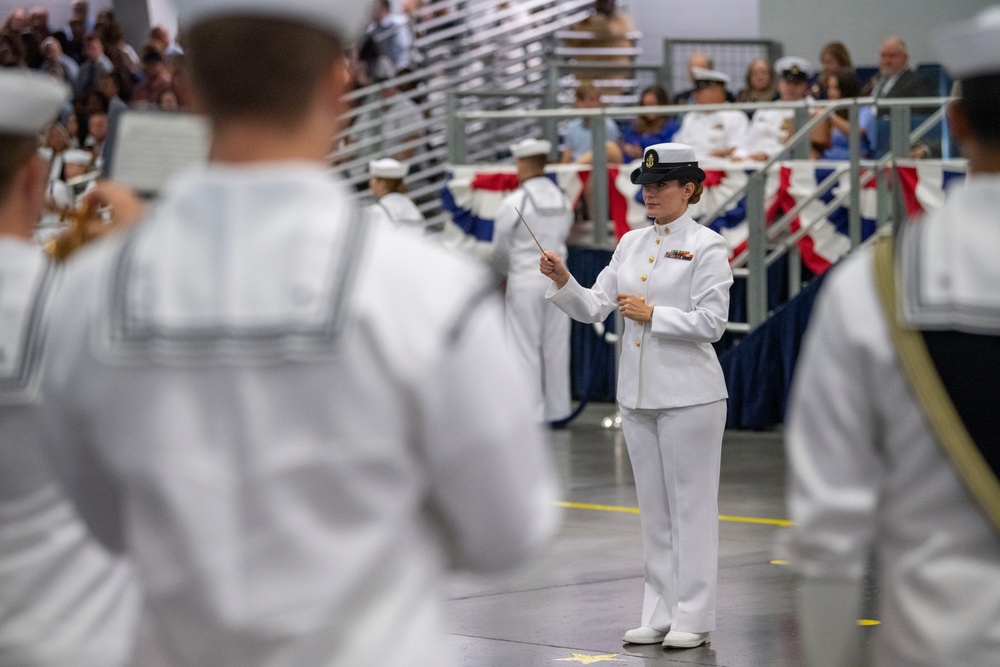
589,659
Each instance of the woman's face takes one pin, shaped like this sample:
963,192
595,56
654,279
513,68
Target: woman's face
832,88
649,100
828,62
760,75
666,200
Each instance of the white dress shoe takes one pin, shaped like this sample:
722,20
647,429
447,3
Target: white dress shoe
644,635
676,639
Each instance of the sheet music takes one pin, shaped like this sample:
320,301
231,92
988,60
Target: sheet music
150,147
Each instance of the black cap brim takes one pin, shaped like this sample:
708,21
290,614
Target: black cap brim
640,177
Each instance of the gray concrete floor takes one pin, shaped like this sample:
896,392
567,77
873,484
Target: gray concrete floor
576,600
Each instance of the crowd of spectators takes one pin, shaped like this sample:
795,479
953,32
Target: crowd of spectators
106,75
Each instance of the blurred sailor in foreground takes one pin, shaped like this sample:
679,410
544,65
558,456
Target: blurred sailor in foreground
893,423
64,599
290,419
537,331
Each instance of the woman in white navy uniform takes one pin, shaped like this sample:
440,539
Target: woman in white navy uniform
537,332
64,599
671,283
391,203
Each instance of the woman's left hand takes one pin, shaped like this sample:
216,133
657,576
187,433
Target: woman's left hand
634,308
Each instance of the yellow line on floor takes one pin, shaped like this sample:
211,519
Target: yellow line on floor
635,510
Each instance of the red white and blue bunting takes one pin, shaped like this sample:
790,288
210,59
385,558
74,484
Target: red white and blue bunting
473,193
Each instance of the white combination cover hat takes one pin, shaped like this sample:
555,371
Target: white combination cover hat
702,74
793,68
971,48
344,18
29,101
530,147
387,168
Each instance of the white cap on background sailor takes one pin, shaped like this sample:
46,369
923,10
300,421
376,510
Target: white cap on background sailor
793,69
343,18
531,148
971,48
387,168
667,162
29,101
707,77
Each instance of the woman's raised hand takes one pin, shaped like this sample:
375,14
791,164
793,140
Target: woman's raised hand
552,266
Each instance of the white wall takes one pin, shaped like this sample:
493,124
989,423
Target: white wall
721,19
805,25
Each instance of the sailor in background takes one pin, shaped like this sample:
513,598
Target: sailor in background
64,599
393,206
391,203
292,421
711,133
893,421
670,281
770,129
538,333
65,192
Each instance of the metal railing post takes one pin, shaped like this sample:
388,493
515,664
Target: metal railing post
885,203
757,247
550,126
599,180
456,132
899,131
801,150
854,210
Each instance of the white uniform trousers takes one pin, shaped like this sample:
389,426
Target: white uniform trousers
676,456
538,335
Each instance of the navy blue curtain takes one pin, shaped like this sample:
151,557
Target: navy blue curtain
589,354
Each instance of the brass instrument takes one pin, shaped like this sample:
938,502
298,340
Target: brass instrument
77,219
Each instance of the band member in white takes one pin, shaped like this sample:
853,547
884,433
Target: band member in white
537,332
64,598
391,203
290,420
871,469
671,283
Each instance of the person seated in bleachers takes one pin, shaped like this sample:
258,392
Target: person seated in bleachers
703,61
156,78
391,31
610,28
831,139
760,83
895,78
770,129
712,133
833,56
577,142
646,129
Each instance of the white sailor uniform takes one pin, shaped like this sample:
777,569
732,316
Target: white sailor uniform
672,397
398,209
300,419
64,598
710,131
865,468
768,132
538,333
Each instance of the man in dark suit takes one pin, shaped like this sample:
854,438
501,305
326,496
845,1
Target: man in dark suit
895,78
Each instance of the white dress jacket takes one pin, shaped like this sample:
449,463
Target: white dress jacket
682,271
